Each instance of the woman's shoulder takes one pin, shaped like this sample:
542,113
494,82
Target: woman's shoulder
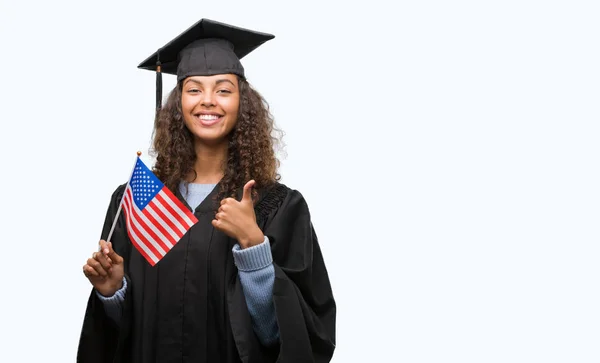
119,191
278,196
117,195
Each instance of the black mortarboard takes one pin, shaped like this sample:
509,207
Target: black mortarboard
205,49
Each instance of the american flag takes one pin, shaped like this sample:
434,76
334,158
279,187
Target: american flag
156,219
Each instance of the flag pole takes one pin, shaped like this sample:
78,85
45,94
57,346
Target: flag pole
112,229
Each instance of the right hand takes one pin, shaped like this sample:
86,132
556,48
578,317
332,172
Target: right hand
105,270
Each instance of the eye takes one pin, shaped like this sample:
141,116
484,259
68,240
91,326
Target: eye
224,91
193,90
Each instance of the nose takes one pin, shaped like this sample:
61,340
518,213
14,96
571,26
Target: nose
208,99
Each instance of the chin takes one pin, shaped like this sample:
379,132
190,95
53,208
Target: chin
210,139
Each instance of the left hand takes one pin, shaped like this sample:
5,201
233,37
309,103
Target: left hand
238,220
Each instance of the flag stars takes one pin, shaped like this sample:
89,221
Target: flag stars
144,184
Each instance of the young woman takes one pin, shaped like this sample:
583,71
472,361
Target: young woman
247,282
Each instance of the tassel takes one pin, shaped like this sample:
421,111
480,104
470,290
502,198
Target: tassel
158,82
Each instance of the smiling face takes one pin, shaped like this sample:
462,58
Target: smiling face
210,106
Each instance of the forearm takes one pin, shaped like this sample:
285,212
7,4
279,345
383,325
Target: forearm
113,305
257,275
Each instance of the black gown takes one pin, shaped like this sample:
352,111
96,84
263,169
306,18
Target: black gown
190,307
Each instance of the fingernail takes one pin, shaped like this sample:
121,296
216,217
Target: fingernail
106,251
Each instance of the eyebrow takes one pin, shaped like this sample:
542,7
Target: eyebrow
219,81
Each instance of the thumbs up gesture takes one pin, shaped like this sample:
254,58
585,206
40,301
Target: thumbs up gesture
238,220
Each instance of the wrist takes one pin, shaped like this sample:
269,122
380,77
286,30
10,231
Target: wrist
111,291
253,238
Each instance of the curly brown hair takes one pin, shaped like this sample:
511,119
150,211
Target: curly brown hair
251,152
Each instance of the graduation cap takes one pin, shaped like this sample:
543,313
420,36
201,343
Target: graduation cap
204,49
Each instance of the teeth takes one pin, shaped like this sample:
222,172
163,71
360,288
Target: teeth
209,117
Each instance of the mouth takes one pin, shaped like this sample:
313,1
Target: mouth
208,119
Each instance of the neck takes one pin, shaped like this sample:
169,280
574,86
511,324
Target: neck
210,163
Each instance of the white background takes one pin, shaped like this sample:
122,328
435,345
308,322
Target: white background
448,152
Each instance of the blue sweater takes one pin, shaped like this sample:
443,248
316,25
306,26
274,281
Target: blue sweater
255,269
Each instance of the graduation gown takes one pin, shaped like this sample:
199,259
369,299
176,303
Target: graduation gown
190,307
